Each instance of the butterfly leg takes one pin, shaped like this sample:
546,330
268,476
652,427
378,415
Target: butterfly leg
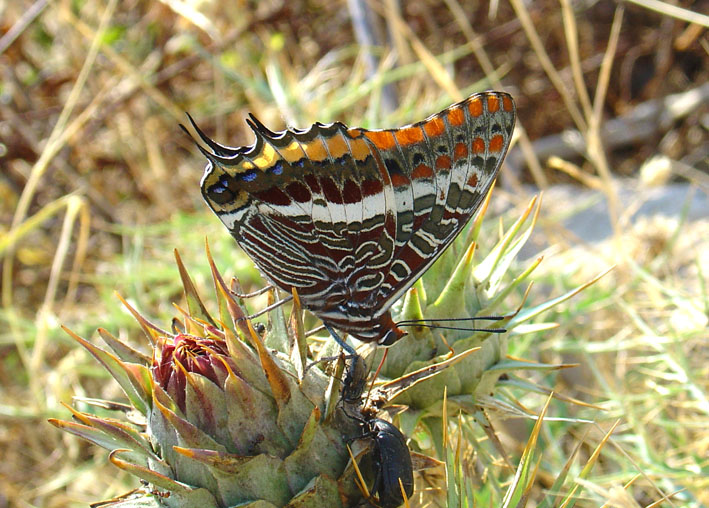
350,350
254,293
270,307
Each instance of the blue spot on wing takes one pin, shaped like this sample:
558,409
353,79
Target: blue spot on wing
221,186
250,175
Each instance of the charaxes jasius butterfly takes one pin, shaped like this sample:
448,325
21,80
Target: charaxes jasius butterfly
352,217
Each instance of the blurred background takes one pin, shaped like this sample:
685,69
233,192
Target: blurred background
99,185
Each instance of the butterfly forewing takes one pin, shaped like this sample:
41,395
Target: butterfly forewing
450,171
351,218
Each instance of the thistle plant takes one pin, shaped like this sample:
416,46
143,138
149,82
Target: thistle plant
222,416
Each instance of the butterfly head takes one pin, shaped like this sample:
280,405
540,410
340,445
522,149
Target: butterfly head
384,331
391,335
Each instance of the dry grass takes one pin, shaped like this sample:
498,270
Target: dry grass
99,185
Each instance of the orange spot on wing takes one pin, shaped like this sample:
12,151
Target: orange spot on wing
460,151
443,162
434,127
496,143
398,180
293,152
315,150
360,149
422,171
478,145
456,117
493,103
409,136
336,146
475,107
383,140
507,103
473,180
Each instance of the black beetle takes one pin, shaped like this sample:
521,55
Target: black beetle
392,459
392,463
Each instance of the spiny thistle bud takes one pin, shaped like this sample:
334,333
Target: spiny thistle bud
182,355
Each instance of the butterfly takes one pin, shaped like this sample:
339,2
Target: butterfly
351,217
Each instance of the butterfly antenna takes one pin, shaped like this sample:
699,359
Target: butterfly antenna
436,323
